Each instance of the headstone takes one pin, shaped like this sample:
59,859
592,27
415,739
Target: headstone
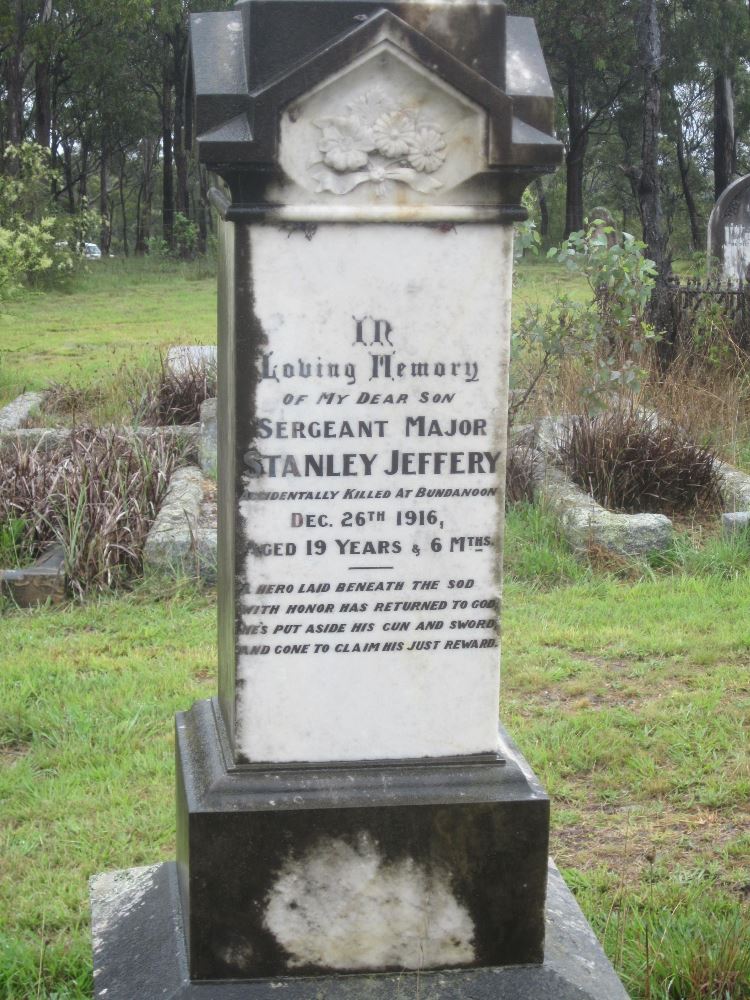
189,357
604,225
348,804
729,231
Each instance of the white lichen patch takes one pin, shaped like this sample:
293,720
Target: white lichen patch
115,894
347,908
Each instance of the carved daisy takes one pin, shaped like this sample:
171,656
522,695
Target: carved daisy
370,106
426,150
345,143
394,133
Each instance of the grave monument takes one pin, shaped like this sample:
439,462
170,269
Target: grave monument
729,231
351,821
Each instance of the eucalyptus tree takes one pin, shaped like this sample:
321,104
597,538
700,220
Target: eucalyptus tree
590,54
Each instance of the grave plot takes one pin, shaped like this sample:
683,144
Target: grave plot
76,515
619,481
52,457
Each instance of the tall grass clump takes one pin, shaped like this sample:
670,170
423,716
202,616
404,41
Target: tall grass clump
96,497
681,951
520,473
173,394
630,461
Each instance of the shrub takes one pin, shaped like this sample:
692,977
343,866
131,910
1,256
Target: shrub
609,333
66,399
96,497
629,461
38,244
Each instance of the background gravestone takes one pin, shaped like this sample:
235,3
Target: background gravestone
348,803
729,230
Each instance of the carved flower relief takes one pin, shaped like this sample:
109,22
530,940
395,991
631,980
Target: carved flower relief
426,150
378,142
371,106
394,133
345,143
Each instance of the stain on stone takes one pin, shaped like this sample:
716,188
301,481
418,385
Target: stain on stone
344,906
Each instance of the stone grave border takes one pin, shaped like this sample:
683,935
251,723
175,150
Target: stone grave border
585,522
176,544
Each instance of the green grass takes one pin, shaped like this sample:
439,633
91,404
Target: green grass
117,311
625,684
631,700
88,699
538,281
126,311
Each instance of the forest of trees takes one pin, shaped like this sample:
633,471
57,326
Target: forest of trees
653,107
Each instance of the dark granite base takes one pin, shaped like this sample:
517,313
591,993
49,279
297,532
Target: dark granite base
139,954
314,870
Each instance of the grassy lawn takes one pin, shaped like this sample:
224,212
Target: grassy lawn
627,686
122,311
631,700
119,311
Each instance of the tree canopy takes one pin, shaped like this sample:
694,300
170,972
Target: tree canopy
653,102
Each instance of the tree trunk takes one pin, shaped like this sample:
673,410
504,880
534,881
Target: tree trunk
179,48
204,209
68,174
647,177
682,162
167,208
649,196
149,152
724,138
84,178
574,159
123,211
14,83
105,238
42,99
543,208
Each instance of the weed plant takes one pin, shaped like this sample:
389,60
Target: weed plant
96,497
630,461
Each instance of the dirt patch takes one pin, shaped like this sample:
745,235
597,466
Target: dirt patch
11,753
630,838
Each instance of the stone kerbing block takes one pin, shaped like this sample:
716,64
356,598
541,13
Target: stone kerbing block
585,522
207,438
43,581
15,413
40,438
735,523
139,951
177,543
735,488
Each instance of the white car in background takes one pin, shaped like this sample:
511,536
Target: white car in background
91,251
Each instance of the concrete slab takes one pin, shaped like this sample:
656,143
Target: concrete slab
139,951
